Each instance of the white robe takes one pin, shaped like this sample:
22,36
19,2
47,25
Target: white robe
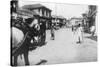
79,33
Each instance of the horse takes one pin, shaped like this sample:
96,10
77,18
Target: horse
20,45
21,38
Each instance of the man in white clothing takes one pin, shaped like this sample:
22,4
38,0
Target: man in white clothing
80,33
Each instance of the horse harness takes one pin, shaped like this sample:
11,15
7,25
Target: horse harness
27,32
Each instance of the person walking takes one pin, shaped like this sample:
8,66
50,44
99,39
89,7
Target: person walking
72,28
52,32
79,33
92,30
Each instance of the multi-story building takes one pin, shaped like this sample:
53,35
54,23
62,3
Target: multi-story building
92,14
75,21
58,20
43,12
90,17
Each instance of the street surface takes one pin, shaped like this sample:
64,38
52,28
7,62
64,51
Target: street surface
63,49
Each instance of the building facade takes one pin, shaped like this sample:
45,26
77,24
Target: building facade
58,20
43,12
92,14
89,18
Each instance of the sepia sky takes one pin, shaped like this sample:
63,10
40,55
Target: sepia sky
65,10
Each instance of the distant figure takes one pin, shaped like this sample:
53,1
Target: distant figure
92,29
72,27
52,32
79,33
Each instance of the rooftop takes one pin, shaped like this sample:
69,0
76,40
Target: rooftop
26,12
34,6
60,17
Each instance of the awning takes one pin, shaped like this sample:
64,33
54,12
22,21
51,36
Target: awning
25,12
93,13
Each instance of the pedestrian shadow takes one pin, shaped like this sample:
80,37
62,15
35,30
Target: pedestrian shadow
41,62
92,37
